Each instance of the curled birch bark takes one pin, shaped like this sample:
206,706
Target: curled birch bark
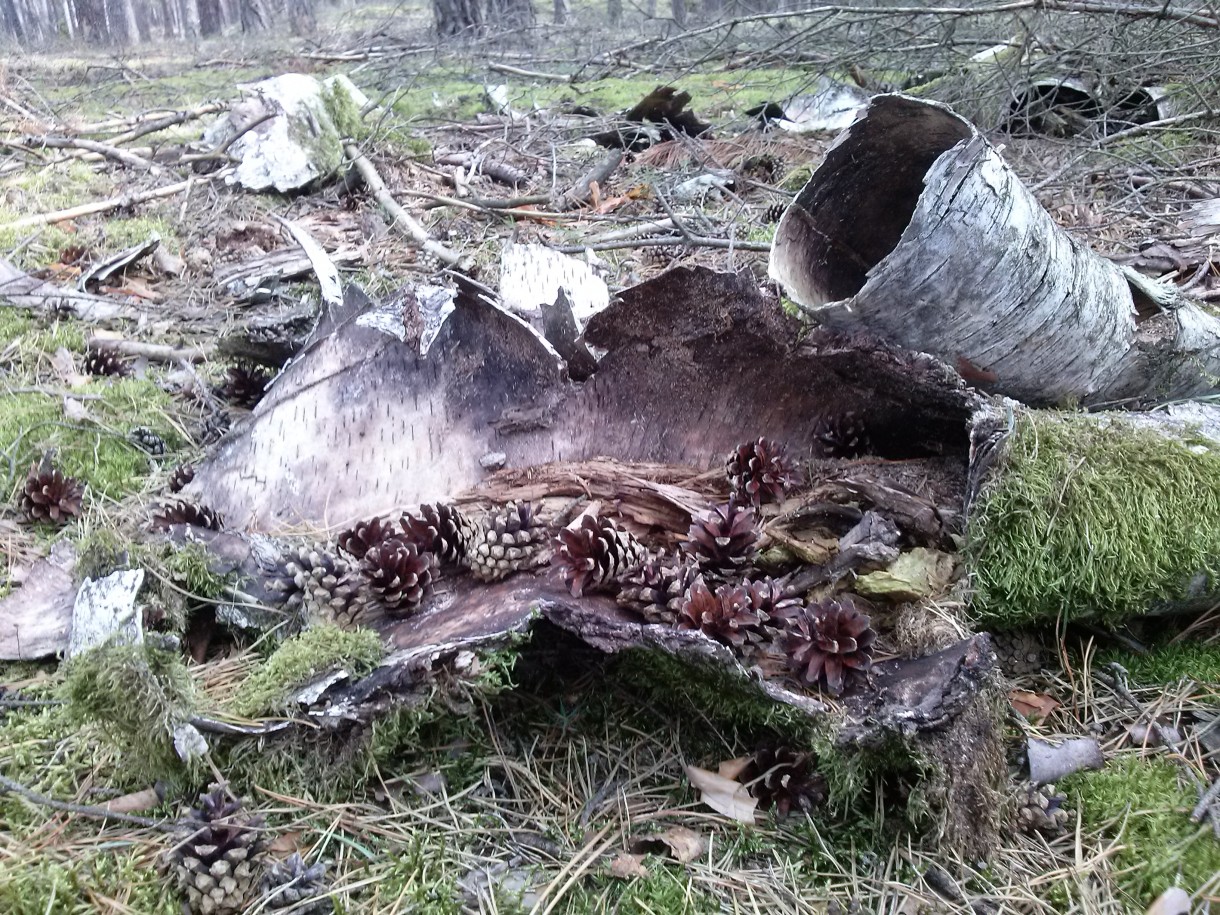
915,229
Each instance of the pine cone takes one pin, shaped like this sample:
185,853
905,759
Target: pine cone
317,584
218,856
758,472
1041,811
216,426
724,538
290,884
774,213
398,574
105,362
768,601
594,553
510,540
183,512
660,255
829,642
48,495
144,438
182,475
1019,652
784,778
244,385
728,615
440,529
763,167
657,588
366,534
840,435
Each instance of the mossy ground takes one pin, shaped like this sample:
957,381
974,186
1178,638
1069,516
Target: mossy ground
1093,518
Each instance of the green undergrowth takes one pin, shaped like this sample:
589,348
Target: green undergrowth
1144,804
1090,517
301,658
1167,664
84,882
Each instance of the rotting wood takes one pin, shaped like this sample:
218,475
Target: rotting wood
20,290
156,352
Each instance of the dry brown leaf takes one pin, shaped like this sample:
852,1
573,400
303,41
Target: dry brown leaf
137,801
138,288
732,768
1033,707
64,366
723,795
286,843
682,844
626,866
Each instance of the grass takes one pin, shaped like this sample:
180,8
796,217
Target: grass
1170,663
1093,517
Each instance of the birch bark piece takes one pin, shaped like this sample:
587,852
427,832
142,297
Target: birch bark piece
34,619
105,610
915,229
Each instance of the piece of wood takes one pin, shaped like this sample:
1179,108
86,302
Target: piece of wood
123,201
35,619
915,229
106,151
24,291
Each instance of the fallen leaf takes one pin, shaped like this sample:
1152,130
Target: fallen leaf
76,411
1174,901
64,366
138,288
1033,707
285,843
626,866
137,801
682,844
595,194
723,795
732,768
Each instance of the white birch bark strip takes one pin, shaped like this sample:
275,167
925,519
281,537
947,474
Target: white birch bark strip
914,228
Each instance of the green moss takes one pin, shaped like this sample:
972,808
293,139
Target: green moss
1170,663
1092,517
99,452
303,657
667,888
343,109
75,885
796,179
138,695
126,232
1144,806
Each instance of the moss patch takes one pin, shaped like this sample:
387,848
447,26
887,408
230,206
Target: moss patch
303,657
1160,847
1089,517
1170,663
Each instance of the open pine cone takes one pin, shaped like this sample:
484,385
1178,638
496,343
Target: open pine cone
48,495
656,589
758,472
724,538
216,861
509,540
828,642
728,615
440,529
595,553
291,885
364,535
183,512
784,778
398,574
1041,812
319,585
182,475
244,385
840,435
768,601
105,362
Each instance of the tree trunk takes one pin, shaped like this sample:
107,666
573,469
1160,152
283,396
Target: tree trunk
679,12
456,17
302,18
614,11
254,17
915,229
509,15
561,12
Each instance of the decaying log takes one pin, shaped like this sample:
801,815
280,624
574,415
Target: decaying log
915,229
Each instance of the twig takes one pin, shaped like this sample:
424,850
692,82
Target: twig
103,206
531,74
484,205
85,810
582,191
170,120
222,150
122,156
1204,807
157,352
399,218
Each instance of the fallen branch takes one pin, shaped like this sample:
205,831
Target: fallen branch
156,352
530,74
123,157
171,120
399,218
84,810
583,189
121,202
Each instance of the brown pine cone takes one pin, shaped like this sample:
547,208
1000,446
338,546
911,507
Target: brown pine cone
657,588
510,540
728,615
292,885
104,362
829,643
398,574
1041,812
758,472
768,601
182,475
724,538
440,529
183,512
245,385
48,495
840,435
595,553
319,585
365,534
784,778
218,856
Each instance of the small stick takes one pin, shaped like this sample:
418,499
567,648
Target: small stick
529,74
103,206
157,352
122,156
1204,807
85,810
220,151
171,120
399,218
581,192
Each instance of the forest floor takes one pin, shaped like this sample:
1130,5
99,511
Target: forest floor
528,791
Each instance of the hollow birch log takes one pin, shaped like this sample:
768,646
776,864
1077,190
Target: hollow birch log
915,229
